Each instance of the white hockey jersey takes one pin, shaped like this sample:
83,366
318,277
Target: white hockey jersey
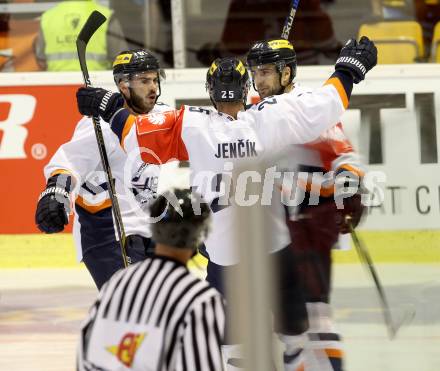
214,141
323,158
135,182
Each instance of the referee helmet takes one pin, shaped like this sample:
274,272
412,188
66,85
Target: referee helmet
183,219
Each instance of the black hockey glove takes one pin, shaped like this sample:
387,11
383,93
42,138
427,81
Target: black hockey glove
357,58
351,213
348,199
98,102
53,207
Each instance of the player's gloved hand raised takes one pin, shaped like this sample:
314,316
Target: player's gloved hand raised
357,58
53,207
98,102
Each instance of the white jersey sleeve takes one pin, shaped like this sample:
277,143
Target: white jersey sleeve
80,155
294,118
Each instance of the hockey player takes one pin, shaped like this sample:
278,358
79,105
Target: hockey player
156,315
214,140
315,223
77,163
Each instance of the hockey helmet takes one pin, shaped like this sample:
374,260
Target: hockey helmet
274,51
183,219
133,61
227,80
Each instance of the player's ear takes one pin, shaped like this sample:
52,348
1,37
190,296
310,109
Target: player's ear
285,76
123,87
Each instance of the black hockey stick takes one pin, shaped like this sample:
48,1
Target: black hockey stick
365,257
95,20
289,20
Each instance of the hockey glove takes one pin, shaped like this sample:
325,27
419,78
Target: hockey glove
348,199
351,213
53,207
98,102
357,58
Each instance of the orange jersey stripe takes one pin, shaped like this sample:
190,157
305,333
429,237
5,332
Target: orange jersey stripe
127,127
60,171
354,170
334,353
316,189
340,89
93,208
330,145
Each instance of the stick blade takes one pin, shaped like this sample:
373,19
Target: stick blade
95,20
404,317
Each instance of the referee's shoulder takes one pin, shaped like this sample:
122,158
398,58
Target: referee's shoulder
207,293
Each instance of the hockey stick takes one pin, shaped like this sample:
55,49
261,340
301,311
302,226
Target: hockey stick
392,326
289,20
95,20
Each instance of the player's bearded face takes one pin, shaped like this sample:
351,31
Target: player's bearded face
266,80
143,91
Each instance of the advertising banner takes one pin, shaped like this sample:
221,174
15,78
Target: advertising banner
34,121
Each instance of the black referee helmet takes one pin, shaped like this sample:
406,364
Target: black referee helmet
183,219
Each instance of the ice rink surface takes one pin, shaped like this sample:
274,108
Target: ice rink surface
41,310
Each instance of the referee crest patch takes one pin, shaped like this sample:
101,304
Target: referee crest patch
126,350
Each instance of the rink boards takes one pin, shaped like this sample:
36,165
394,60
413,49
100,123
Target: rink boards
50,251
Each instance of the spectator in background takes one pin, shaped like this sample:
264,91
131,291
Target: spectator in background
147,26
427,13
5,52
55,46
17,33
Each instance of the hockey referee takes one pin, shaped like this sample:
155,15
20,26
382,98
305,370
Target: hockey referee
155,315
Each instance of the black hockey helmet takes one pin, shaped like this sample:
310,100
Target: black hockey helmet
183,219
273,51
133,61
227,80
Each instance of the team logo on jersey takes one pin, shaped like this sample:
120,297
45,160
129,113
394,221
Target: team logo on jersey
145,184
157,118
127,348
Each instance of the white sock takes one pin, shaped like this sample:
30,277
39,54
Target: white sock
323,351
294,351
233,357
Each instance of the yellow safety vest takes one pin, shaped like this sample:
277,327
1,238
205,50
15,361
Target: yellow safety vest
394,3
60,27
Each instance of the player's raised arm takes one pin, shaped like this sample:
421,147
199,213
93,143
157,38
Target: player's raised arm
300,118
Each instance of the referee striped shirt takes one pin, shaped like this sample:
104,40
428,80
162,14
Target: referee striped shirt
154,315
